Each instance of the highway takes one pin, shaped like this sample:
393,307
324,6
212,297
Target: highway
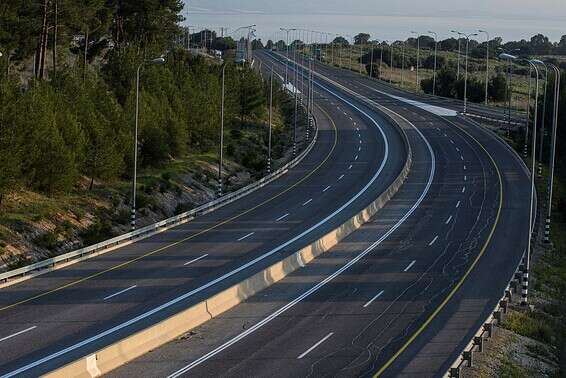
402,295
59,316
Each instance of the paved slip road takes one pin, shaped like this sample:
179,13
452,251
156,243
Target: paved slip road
460,215
57,317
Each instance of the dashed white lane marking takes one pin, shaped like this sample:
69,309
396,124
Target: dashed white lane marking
350,118
306,203
458,205
461,157
282,217
410,265
350,167
464,189
120,292
465,168
315,345
356,158
17,333
325,189
457,149
246,236
195,260
374,298
448,220
360,141
433,240
465,178
451,141
359,149
340,178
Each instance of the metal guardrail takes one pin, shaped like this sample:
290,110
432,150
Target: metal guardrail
147,231
486,330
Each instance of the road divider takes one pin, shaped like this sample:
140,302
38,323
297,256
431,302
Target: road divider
122,351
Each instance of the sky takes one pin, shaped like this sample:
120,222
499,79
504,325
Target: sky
385,19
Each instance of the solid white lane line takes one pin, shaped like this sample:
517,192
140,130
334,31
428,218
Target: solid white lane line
410,265
195,260
350,167
448,220
340,178
306,203
282,217
325,189
433,241
246,236
120,292
464,189
315,345
17,333
374,298
458,204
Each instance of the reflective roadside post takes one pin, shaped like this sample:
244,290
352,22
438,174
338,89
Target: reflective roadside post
156,61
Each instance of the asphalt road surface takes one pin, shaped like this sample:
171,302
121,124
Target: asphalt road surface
402,295
57,317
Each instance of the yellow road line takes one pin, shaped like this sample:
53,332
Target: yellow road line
468,272
70,284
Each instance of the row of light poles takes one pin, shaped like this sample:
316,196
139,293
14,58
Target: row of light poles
534,65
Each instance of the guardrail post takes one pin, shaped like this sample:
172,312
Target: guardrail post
478,340
503,305
455,372
498,316
488,327
468,357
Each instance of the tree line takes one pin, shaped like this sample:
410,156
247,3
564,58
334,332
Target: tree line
67,92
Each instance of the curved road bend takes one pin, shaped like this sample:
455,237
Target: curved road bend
351,311
51,319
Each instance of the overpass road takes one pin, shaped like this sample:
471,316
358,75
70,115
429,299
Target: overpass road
57,317
402,295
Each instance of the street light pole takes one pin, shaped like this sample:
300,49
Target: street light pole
435,53
156,61
391,65
371,63
418,58
270,121
552,151
486,65
525,283
403,65
459,51
287,57
221,149
542,121
466,75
